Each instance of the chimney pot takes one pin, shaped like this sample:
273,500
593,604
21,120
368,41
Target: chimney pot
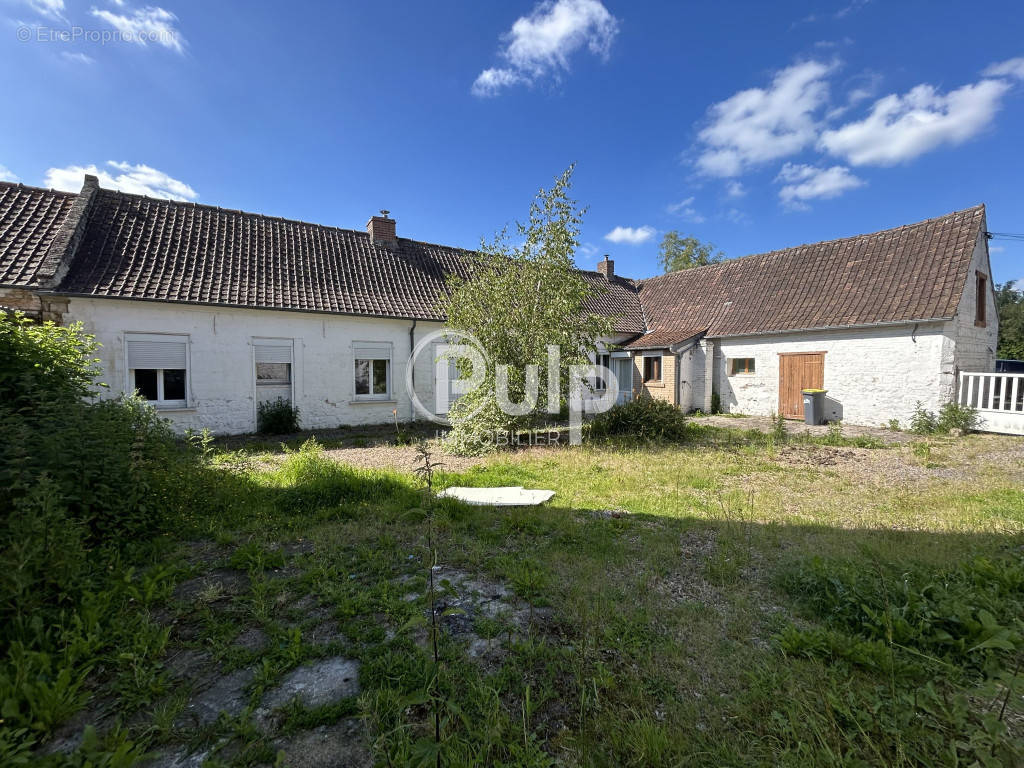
382,229
606,267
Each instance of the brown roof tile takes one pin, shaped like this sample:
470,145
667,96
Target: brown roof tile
141,248
911,273
29,220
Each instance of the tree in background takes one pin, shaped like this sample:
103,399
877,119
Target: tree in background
677,252
519,298
1010,306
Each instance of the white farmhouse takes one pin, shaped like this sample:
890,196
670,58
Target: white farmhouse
207,312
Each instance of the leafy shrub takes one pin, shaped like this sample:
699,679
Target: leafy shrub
279,417
923,421
955,416
951,416
643,418
778,431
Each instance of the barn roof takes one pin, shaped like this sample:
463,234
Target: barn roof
908,274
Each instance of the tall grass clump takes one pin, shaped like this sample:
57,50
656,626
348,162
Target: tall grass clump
911,665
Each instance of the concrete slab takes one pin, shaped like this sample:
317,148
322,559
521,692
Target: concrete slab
505,496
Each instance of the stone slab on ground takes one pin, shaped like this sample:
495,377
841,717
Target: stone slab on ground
341,745
504,496
227,694
315,685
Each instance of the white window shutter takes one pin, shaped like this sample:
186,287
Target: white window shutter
370,351
157,354
273,353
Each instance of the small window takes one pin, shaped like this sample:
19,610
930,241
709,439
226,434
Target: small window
372,371
158,368
741,365
652,369
980,299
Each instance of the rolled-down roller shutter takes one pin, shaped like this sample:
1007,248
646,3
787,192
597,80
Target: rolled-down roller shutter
167,353
371,351
273,353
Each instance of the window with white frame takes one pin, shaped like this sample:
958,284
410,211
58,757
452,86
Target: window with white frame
157,367
273,362
372,362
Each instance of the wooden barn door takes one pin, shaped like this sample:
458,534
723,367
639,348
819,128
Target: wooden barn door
798,371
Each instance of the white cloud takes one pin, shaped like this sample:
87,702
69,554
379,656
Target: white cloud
685,209
52,9
735,189
736,216
491,81
135,179
143,26
7,175
808,182
631,235
77,58
900,128
856,5
758,125
1008,68
996,248
541,43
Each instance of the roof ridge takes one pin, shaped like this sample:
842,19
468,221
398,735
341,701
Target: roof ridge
737,259
268,217
19,185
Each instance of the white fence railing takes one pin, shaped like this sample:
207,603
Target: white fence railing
998,398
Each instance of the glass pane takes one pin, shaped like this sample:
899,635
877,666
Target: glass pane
174,384
380,377
145,382
276,372
362,377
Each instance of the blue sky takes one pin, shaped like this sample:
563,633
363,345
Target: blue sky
753,125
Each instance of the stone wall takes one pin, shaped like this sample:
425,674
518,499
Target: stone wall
36,306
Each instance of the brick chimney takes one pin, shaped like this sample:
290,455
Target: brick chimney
382,229
606,267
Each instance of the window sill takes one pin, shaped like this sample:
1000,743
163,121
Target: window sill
175,409
658,384
371,401
742,375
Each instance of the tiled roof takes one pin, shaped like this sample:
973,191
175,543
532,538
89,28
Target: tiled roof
134,247
911,273
29,220
665,337
141,248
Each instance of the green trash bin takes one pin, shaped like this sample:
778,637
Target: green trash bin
814,406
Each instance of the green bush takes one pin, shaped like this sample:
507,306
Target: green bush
951,416
278,417
79,480
643,418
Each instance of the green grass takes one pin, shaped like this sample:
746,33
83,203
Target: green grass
747,611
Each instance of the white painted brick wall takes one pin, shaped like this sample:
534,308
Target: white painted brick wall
221,372
872,375
975,347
